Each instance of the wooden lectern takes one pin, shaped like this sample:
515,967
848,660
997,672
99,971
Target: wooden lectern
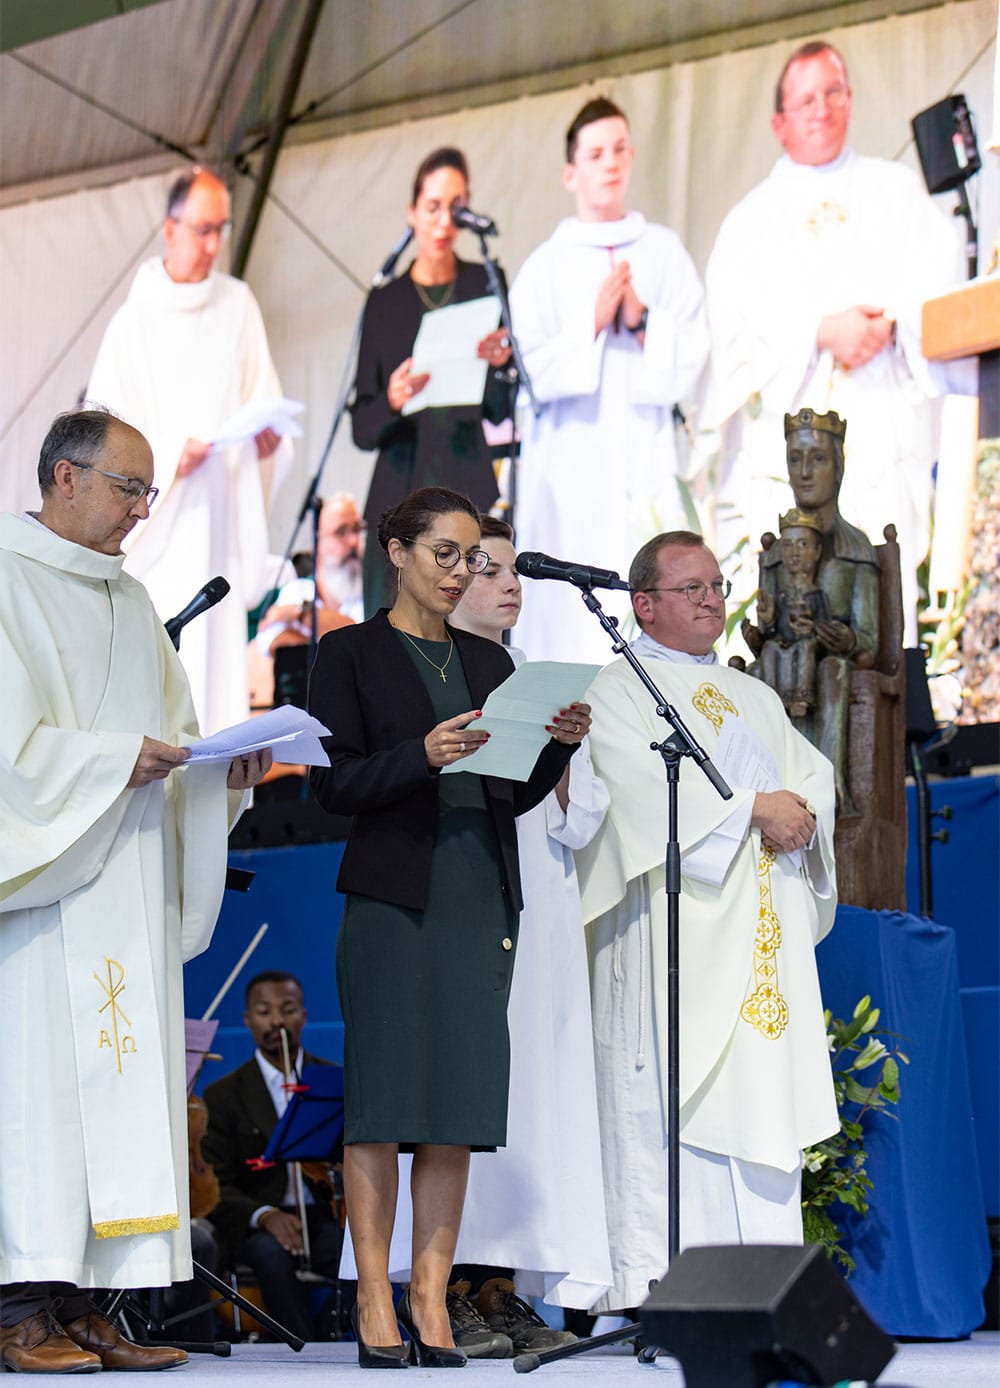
966,323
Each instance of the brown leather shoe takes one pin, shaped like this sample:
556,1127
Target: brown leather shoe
37,1345
96,1333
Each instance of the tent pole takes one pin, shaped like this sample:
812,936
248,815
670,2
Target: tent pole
276,136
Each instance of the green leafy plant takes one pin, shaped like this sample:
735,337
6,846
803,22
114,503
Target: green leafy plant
865,1080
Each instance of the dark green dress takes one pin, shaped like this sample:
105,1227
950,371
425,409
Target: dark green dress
424,994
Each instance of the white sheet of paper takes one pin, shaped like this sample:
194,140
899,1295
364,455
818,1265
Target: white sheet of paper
271,412
446,345
292,734
516,714
745,761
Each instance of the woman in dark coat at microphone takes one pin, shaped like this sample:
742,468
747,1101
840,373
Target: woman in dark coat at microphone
430,874
438,446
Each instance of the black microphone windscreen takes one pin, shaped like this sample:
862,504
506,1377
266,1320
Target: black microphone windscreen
216,588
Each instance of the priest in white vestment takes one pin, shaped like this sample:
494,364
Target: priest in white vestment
534,1216
182,354
758,893
113,870
815,287
610,317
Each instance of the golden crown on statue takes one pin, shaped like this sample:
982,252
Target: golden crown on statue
803,520
830,423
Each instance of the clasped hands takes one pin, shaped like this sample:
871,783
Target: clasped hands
857,335
453,739
616,293
157,759
785,820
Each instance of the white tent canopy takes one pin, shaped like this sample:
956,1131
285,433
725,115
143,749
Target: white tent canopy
700,125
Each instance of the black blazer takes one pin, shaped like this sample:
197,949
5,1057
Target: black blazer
365,688
443,447
241,1119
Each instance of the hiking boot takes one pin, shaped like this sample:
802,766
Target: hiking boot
471,1332
504,1311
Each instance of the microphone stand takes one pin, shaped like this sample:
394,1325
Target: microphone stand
681,742
520,374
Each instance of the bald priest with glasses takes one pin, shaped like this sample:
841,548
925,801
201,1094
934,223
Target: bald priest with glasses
185,351
757,894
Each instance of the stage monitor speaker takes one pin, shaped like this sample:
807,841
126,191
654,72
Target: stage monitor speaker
946,143
743,1317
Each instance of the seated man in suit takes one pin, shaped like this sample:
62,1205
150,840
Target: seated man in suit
257,1216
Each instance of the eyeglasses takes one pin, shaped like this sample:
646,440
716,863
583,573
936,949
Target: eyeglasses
131,487
836,98
447,555
696,592
203,230
433,207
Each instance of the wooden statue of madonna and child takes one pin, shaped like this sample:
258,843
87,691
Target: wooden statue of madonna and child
828,640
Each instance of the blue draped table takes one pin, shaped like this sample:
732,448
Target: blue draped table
922,1254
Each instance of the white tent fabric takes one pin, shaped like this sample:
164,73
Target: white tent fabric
702,137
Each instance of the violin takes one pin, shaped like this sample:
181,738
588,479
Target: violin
203,1184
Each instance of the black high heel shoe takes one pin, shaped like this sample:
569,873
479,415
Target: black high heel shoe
378,1356
427,1356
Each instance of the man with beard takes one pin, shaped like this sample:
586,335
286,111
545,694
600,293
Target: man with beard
337,590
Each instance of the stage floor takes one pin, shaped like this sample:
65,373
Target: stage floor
971,1363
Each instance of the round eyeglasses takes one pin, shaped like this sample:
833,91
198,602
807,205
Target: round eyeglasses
836,99
696,592
132,487
447,555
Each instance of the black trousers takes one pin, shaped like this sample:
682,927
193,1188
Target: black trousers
286,1298
19,1300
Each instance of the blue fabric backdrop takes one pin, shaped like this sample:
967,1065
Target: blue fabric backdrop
922,1254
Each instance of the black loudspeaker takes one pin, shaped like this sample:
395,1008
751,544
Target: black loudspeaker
746,1316
946,143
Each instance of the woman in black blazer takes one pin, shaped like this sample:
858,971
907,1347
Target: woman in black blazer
430,873
442,446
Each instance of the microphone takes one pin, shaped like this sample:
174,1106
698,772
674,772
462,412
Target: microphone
463,216
389,264
214,591
533,565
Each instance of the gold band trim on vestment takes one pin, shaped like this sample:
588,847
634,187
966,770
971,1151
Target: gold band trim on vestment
153,1224
765,1009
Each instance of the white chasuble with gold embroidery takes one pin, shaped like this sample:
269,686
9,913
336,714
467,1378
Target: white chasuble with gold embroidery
104,891
755,1072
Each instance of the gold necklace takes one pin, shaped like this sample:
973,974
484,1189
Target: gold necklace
428,302
439,668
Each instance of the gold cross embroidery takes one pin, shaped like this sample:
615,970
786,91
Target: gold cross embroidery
710,700
765,1009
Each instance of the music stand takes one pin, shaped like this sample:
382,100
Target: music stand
311,1125
309,1131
